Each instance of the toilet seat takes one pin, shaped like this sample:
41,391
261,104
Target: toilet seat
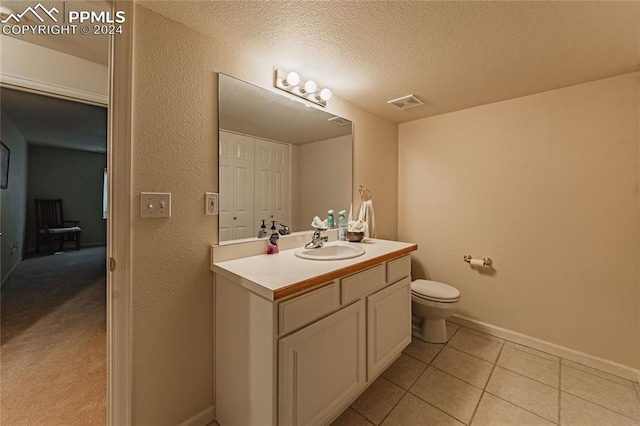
435,291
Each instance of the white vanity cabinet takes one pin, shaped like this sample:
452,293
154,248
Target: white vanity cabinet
303,358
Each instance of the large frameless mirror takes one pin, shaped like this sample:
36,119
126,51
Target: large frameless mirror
280,161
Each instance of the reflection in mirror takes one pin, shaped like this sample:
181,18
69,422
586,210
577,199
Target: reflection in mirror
280,161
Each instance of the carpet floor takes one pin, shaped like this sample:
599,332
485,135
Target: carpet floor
53,341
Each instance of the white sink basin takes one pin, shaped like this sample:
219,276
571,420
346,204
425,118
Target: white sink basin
332,252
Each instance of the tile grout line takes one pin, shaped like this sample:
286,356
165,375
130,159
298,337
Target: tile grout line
559,390
417,377
533,350
603,378
436,407
355,410
488,378
456,377
561,367
481,334
421,360
526,377
484,389
357,414
444,372
517,406
595,375
394,405
424,371
600,405
475,356
559,359
530,378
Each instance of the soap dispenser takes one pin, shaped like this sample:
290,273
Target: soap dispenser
331,223
272,246
263,230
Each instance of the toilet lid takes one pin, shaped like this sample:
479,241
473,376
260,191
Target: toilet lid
434,290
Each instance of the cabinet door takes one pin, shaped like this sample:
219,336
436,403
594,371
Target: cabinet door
389,325
321,367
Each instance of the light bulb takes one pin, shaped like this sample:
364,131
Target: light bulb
325,94
310,86
292,79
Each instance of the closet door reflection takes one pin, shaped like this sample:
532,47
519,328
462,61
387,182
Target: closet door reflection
236,187
272,187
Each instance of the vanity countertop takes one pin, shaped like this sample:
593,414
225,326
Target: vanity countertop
275,276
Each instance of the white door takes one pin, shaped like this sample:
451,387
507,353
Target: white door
321,367
272,186
236,208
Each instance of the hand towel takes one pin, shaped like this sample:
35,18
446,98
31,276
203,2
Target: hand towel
367,214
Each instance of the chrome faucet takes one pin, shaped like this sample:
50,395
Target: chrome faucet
318,240
284,229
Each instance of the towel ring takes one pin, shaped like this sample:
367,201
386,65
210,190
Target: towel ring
365,194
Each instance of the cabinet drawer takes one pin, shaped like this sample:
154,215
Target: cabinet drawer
363,283
398,269
301,310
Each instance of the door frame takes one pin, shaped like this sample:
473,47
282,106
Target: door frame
119,334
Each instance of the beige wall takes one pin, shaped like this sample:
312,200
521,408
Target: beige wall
324,185
75,177
546,185
174,150
35,67
13,199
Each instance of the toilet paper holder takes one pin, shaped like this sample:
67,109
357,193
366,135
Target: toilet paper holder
486,261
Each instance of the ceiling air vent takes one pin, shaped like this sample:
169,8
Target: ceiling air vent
339,121
406,102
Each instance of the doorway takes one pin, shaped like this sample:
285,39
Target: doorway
53,313
117,70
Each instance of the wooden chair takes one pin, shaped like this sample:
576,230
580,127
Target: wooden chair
51,225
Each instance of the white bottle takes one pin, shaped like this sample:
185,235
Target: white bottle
342,225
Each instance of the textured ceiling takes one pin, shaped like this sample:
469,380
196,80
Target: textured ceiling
452,55
43,120
252,110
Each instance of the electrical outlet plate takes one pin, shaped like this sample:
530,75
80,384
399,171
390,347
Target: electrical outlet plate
155,205
211,203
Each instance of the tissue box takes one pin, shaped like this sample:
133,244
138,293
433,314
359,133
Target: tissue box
355,237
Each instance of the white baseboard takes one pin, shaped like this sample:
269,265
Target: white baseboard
203,418
13,268
602,364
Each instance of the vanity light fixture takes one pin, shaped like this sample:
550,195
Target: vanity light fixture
310,86
290,82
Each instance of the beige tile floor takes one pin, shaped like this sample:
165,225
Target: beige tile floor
478,379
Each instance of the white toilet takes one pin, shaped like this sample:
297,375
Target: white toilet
431,303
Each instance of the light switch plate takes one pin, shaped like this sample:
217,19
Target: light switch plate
211,203
155,205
